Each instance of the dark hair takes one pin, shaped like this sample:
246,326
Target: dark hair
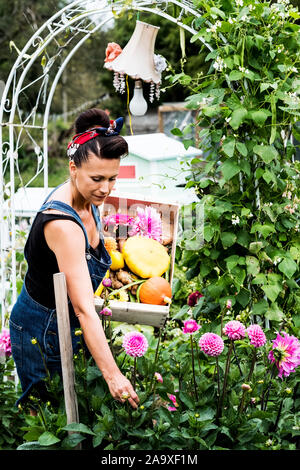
114,146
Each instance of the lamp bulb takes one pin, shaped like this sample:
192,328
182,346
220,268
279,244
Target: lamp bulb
138,105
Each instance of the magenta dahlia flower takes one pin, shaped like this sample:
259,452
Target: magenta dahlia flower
190,326
285,354
172,408
147,223
256,336
158,377
5,344
135,344
117,219
234,330
107,282
106,312
211,344
193,298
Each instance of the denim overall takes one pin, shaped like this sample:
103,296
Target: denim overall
29,319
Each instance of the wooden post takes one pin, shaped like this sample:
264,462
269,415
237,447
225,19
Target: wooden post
66,350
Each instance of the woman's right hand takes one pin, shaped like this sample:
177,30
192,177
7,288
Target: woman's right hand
121,389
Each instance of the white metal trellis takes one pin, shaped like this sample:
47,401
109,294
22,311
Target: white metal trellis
82,19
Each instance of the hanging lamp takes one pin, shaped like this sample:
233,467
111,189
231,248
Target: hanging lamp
138,61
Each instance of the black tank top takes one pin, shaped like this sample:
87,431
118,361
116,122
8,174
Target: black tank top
42,263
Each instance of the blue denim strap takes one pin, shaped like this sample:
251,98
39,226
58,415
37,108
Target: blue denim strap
97,218
53,190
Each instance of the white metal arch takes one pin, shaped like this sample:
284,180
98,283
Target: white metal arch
81,18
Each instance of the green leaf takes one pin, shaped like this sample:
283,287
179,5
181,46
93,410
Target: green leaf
229,169
255,247
48,439
242,148
259,116
217,12
265,229
252,265
274,118
266,152
237,117
228,146
272,291
206,414
235,75
269,176
72,440
228,239
34,445
288,267
78,427
243,238
259,308
177,132
208,232
232,261
274,313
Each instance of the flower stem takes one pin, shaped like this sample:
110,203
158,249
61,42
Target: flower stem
155,361
193,368
278,415
241,407
265,394
218,376
237,361
133,377
225,378
125,287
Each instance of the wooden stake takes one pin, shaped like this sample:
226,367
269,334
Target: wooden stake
66,350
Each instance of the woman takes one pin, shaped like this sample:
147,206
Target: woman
66,236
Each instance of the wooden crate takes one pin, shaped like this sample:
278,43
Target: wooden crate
134,312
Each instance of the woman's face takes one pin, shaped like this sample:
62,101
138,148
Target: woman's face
96,177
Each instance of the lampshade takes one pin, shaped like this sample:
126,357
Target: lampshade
137,57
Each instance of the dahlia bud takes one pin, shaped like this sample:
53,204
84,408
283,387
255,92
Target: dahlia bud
107,282
288,391
78,332
33,341
246,387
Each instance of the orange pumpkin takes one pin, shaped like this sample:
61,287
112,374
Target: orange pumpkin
156,290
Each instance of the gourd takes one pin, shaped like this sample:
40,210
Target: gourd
117,260
156,291
145,257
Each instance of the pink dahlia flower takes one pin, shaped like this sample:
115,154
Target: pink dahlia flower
228,304
173,399
117,219
172,408
193,298
256,335
211,344
147,223
158,377
106,312
190,326
234,330
135,344
285,353
5,344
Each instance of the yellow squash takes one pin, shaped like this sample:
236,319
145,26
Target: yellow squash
117,260
145,257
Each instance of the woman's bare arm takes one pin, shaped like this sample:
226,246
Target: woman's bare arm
65,238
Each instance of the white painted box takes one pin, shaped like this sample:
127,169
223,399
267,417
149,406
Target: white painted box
135,312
